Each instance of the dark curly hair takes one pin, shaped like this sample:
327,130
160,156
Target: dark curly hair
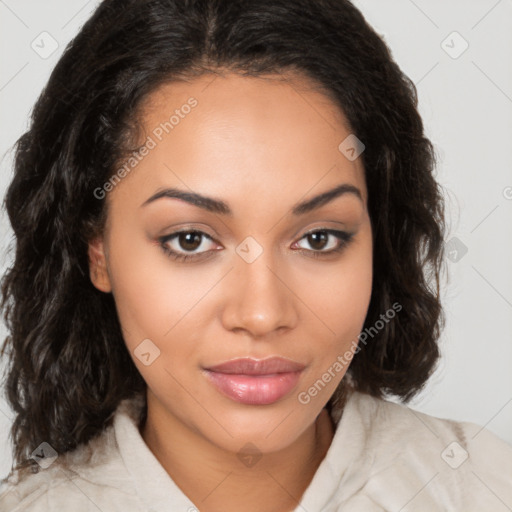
67,364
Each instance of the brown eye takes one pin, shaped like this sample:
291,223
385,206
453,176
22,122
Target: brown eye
325,241
318,240
189,241
184,245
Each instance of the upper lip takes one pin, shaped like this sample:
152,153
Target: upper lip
250,366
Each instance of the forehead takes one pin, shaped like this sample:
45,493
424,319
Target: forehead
268,134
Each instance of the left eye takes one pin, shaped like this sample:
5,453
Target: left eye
326,240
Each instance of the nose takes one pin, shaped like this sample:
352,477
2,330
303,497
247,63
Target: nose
258,299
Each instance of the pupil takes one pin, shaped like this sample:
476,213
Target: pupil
320,237
190,241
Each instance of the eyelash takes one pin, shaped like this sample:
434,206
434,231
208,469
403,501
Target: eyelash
344,238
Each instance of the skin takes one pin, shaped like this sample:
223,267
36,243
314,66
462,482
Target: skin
261,146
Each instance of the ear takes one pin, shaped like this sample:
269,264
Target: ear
98,265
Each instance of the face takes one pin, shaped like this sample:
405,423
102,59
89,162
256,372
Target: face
252,274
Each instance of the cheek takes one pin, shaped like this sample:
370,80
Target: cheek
341,297
341,293
157,301
152,294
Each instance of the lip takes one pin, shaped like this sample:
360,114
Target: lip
250,366
255,382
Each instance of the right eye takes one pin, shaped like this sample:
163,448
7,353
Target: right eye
179,245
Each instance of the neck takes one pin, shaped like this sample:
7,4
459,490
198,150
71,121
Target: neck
215,480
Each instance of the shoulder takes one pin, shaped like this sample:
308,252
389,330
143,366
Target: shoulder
446,463
91,477
397,425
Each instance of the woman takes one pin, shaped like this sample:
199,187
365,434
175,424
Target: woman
229,244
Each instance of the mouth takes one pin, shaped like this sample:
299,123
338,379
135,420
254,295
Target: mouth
255,382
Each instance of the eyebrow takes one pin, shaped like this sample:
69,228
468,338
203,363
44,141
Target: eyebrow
217,206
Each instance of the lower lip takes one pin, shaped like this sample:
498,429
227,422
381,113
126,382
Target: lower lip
254,389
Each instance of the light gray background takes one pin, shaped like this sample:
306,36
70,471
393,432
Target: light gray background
466,104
